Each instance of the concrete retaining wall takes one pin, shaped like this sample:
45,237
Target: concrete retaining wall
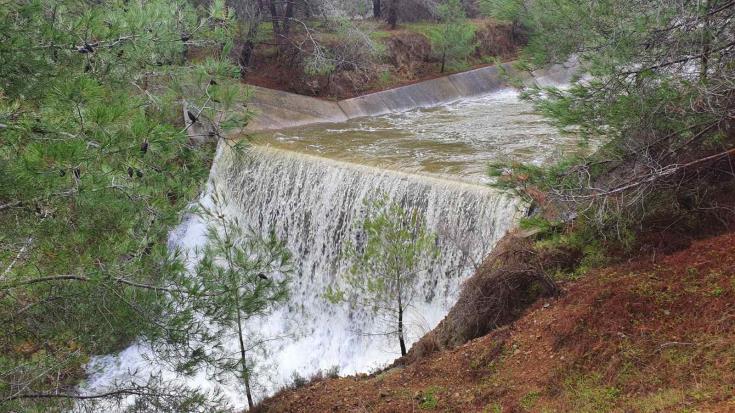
279,110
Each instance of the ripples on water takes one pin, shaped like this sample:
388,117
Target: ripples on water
455,141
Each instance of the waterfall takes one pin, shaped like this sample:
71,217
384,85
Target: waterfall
314,205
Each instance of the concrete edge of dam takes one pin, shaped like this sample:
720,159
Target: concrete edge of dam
276,109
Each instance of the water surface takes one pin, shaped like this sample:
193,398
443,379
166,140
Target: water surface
457,140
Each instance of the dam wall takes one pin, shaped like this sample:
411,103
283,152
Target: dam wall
280,110
275,109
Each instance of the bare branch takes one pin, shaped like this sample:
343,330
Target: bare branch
74,277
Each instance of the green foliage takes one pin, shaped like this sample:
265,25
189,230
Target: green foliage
519,177
493,408
582,238
240,274
537,223
528,401
95,168
395,248
334,295
508,10
554,236
646,65
240,277
429,400
454,40
385,78
298,381
588,394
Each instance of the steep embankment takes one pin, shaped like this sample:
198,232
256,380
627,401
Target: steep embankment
657,334
406,57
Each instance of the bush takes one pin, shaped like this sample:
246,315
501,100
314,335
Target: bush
661,112
454,40
298,381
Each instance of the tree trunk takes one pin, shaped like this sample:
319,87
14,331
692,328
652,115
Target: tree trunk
514,30
376,9
444,59
393,14
288,15
243,359
274,21
249,394
706,44
248,47
400,327
246,57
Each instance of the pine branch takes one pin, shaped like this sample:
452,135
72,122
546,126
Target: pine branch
114,393
74,277
681,60
664,172
10,205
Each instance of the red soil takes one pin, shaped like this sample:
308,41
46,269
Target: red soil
271,75
408,60
655,334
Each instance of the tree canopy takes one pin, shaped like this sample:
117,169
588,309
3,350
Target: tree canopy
454,40
656,91
394,250
96,166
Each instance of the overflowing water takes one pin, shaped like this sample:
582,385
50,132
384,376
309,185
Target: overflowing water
456,141
310,186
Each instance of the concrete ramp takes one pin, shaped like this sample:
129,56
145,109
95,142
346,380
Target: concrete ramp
276,109
279,110
428,93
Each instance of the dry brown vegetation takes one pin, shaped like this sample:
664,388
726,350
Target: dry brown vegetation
512,277
406,58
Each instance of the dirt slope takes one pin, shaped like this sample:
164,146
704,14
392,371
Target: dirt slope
657,334
407,59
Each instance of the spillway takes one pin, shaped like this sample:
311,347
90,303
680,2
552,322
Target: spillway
315,205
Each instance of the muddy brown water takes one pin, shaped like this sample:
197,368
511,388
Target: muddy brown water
455,141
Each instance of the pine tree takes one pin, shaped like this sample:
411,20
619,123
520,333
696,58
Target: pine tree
395,250
454,40
657,97
95,168
242,277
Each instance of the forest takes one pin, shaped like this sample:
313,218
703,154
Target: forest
139,210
